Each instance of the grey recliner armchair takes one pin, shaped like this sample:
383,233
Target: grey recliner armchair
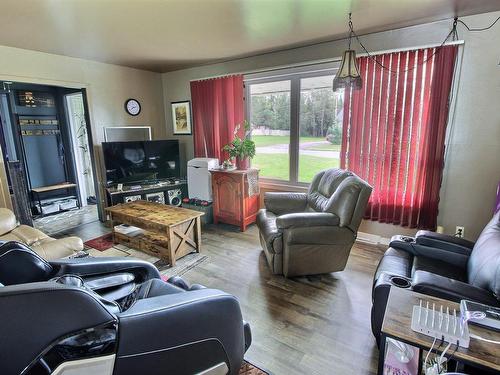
313,233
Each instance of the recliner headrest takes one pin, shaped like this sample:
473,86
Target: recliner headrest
19,264
323,186
330,181
342,193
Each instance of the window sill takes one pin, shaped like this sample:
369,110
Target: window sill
282,186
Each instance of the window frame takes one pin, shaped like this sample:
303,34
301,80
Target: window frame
294,75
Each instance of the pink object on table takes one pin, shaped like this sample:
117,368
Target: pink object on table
392,366
497,204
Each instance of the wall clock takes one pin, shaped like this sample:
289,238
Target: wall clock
133,107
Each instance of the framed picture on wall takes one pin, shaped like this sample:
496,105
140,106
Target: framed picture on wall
181,117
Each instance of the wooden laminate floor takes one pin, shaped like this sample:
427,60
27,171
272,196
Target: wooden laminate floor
299,326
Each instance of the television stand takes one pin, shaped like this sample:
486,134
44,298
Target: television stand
161,192
148,183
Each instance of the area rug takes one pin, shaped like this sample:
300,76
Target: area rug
248,369
101,243
103,247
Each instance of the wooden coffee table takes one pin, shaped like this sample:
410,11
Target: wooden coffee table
168,232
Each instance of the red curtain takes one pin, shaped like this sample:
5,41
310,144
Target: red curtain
394,131
218,106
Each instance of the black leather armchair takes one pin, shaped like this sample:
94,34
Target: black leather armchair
442,266
112,316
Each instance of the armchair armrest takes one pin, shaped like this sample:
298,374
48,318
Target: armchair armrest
449,249
87,267
207,322
282,203
444,242
307,219
453,290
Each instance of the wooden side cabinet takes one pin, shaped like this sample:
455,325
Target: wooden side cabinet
232,202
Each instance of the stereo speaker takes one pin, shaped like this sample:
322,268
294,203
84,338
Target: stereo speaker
175,197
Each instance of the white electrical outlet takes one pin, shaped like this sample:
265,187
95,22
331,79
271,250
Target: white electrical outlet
460,231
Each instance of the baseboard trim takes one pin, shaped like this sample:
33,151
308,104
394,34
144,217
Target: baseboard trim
372,239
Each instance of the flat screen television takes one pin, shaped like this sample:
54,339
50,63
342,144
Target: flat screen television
140,161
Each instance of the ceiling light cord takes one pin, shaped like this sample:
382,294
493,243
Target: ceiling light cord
453,33
351,30
480,28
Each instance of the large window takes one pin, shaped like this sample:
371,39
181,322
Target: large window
296,125
320,126
393,136
270,119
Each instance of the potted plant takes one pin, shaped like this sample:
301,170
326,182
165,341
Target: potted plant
227,164
241,149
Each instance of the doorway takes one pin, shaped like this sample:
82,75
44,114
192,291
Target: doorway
45,135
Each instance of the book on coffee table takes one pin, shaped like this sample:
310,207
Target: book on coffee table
128,230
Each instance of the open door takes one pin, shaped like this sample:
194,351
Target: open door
81,147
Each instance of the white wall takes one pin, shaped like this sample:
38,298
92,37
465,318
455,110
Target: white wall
108,86
472,168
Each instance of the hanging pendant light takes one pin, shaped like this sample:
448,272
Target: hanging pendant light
348,73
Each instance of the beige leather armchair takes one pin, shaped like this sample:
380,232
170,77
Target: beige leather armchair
313,233
47,247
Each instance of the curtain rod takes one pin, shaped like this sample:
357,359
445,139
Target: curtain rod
324,61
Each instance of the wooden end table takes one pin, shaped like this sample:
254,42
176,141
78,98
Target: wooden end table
233,203
168,232
397,325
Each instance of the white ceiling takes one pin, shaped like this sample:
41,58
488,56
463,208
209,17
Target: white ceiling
164,35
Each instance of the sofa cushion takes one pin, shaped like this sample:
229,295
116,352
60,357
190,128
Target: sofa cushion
28,235
266,221
45,246
8,221
50,248
450,289
438,267
285,203
10,237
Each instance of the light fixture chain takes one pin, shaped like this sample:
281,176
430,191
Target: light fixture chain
478,29
453,33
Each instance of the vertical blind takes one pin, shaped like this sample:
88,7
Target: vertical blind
394,132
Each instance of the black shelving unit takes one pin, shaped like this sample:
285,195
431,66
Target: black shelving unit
43,139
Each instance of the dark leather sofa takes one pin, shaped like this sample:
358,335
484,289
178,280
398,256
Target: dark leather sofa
106,316
442,266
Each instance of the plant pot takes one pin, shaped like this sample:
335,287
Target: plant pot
242,163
